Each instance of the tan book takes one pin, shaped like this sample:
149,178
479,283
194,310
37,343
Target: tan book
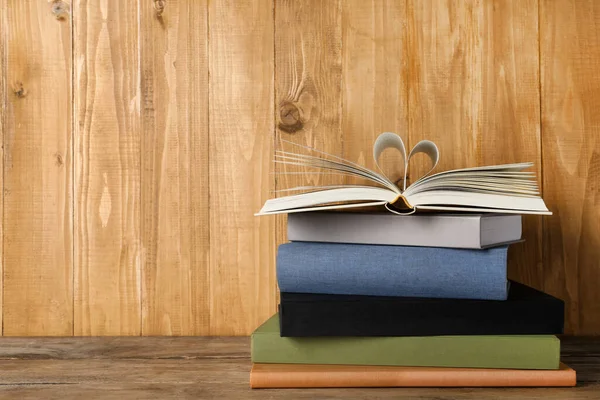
340,376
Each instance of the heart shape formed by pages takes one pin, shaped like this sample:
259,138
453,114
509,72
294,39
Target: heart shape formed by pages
389,140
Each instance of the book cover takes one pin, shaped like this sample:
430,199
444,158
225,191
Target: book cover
467,231
405,271
526,311
348,376
491,351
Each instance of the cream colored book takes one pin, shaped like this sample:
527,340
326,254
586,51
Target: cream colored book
503,188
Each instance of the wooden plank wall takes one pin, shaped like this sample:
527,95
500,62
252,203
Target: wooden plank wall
138,140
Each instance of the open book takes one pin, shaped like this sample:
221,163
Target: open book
499,188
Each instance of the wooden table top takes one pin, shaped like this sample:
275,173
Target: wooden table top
213,368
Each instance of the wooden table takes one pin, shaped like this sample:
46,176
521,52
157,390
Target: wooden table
212,368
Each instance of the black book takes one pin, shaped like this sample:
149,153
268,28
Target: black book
526,312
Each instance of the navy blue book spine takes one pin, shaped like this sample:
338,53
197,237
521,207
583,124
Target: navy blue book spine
404,271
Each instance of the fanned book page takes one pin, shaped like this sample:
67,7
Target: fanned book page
506,188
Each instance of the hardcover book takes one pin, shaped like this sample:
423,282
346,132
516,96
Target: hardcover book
392,270
499,188
467,231
525,312
347,376
492,351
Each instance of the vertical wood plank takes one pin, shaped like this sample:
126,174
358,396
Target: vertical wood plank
175,192
474,90
38,268
570,61
3,39
375,75
241,64
107,168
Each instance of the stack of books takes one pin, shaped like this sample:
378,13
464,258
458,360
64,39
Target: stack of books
377,299
406,298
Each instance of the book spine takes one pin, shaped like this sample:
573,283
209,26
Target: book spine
369,316
433,231
507,352
319,376
306,267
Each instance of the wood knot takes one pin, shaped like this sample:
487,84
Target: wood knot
159,7
19,90
59,159
60,9
290,118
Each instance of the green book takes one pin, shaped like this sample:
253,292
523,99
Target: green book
494,351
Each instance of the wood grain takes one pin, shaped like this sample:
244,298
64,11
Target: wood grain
375,79
175,209
3,105
570,61
127,347
242,247
308,59
179,368
38,267
107,169
474,91
445,80
240,390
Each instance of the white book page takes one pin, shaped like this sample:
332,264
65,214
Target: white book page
501,179
477,171
483,200
321,208
476,184
304,201
482,210
469,177
479,188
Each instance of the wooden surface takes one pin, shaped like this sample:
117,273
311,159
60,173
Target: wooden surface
138,140
209,368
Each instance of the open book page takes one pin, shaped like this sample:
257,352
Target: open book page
497,179
498,188
331,163
476,199
360,196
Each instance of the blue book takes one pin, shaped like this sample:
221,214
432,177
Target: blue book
375,270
